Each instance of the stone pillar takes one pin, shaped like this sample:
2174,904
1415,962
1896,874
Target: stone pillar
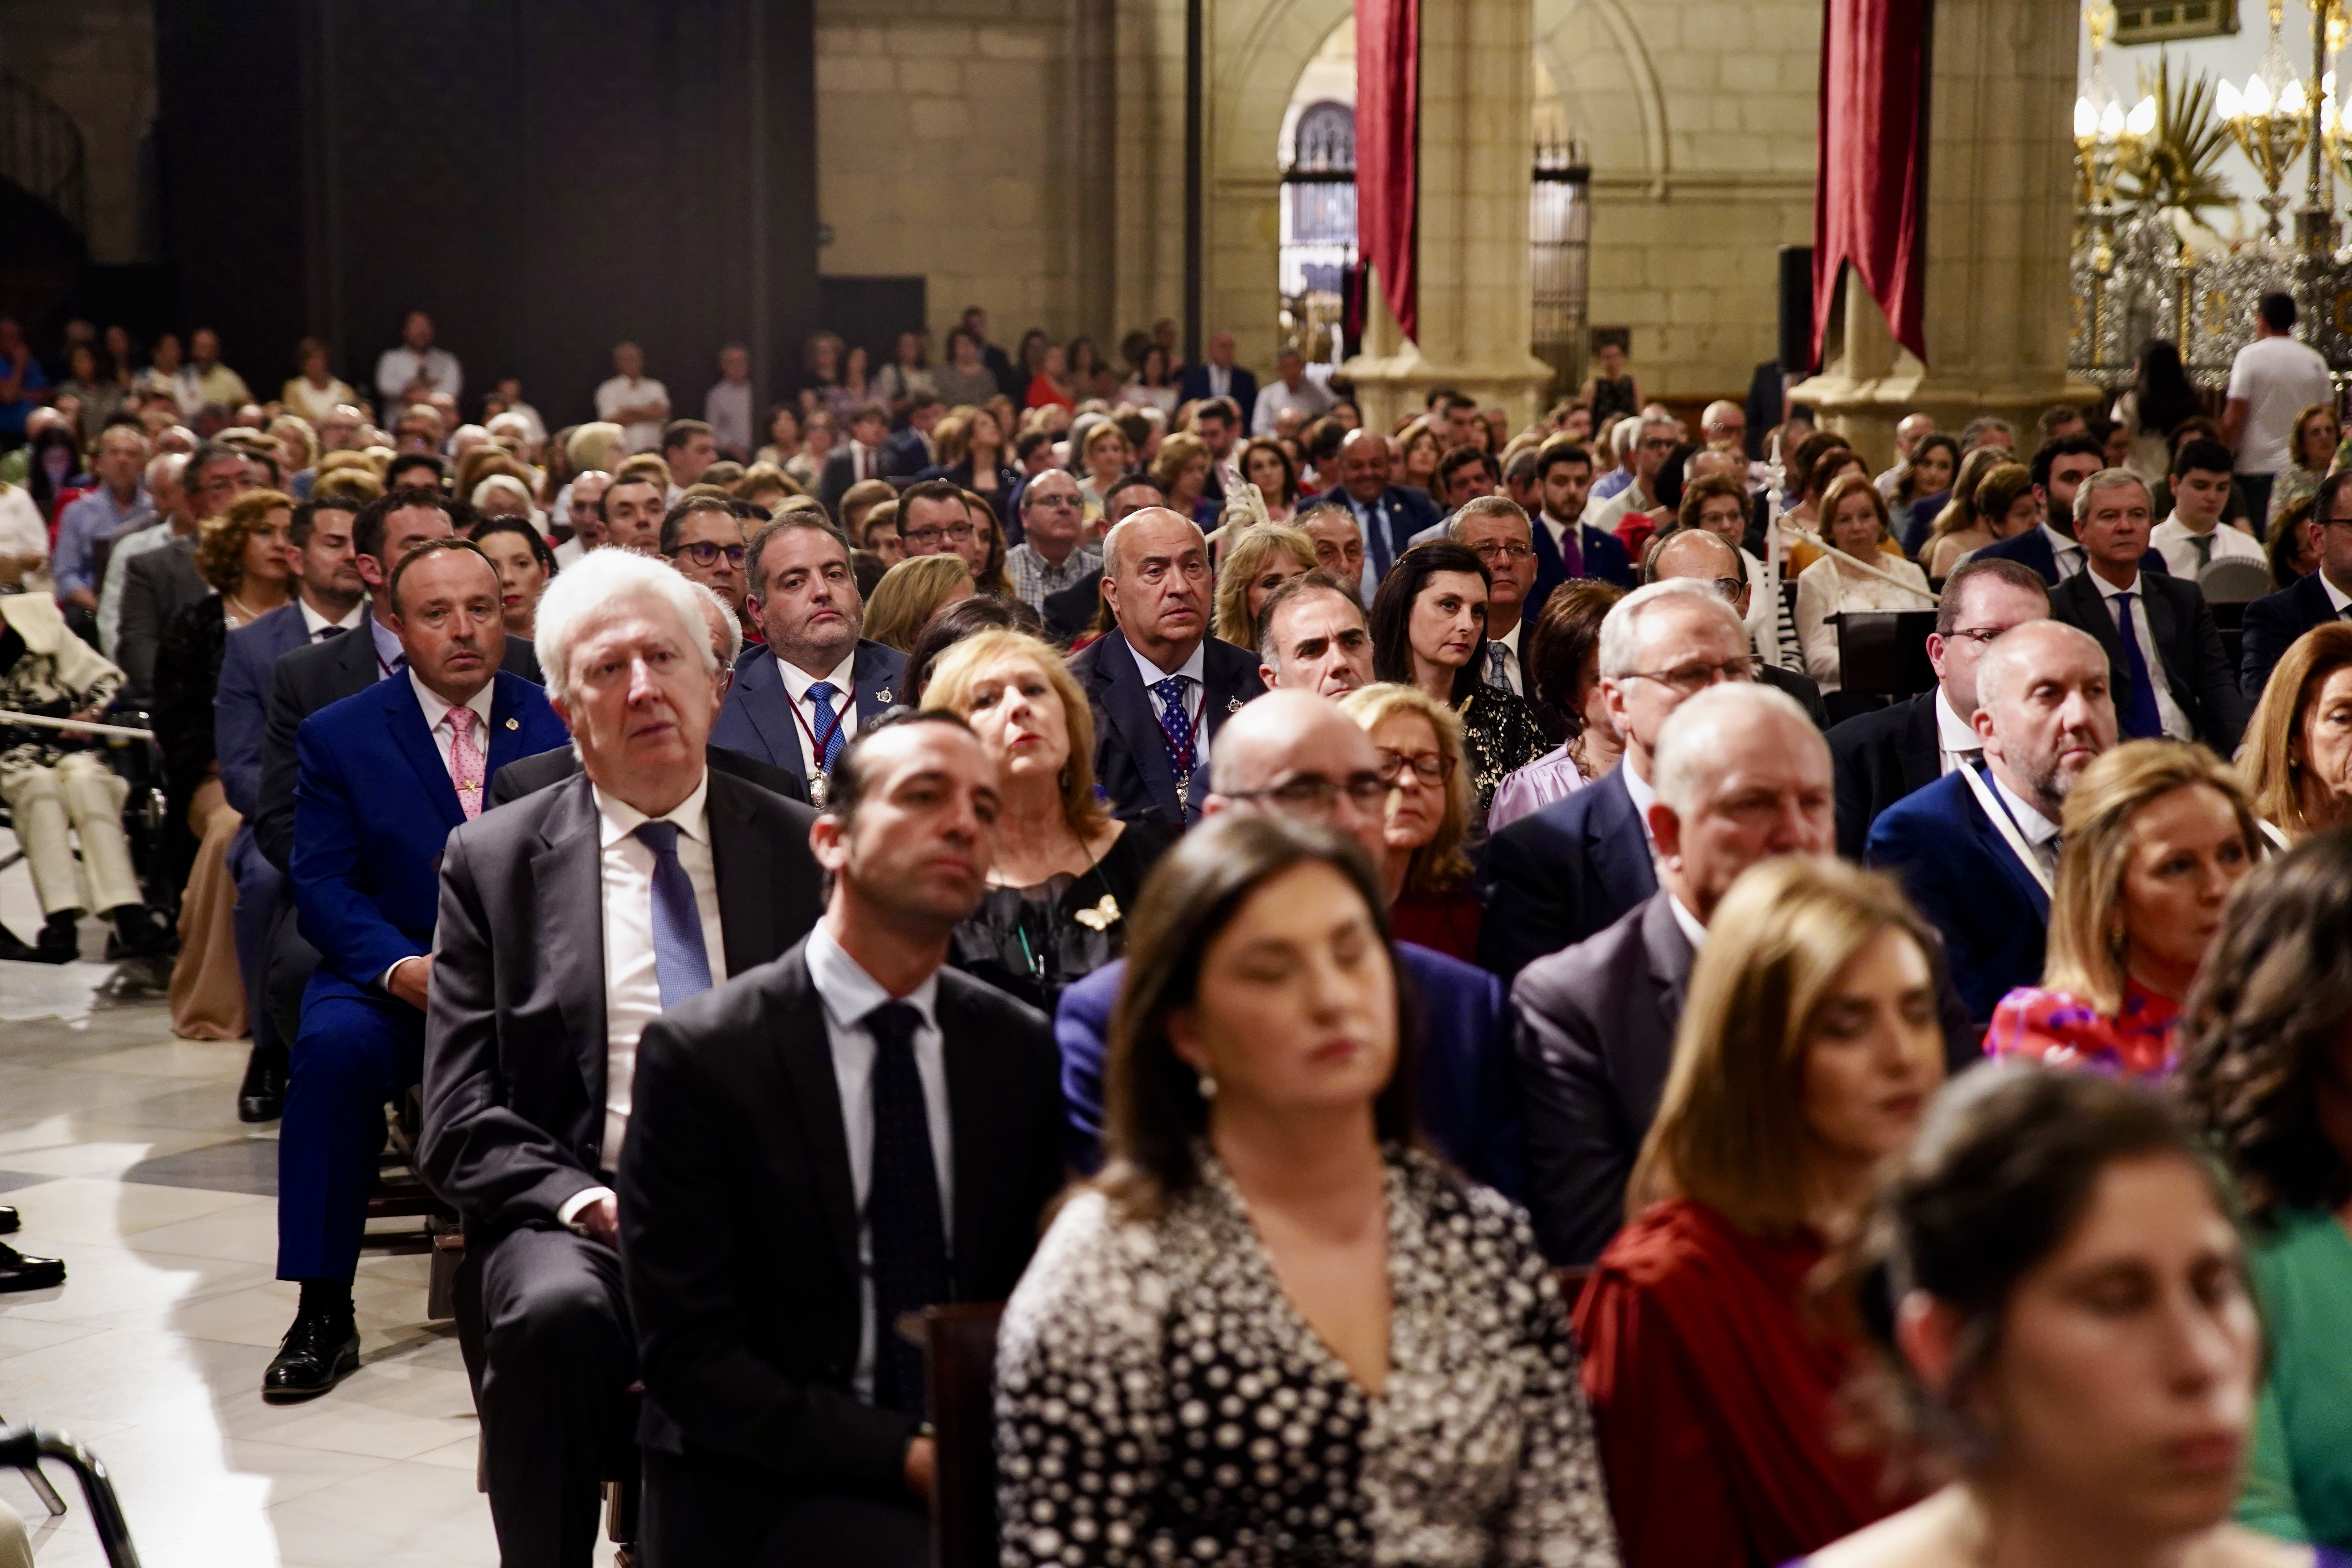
2001,204
1476,146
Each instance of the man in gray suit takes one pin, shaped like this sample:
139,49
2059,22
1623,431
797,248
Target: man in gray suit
568,921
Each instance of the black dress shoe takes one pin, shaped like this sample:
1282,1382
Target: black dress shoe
262,1096
17,949
140,932
60,939
18,1272
9,1220
317,1352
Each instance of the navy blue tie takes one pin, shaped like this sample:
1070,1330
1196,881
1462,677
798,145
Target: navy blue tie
821,696
681,963
2141,721
903,1220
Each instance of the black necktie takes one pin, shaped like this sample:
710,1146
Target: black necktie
902,1207
323,633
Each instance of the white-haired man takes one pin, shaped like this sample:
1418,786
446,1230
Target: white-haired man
536,1006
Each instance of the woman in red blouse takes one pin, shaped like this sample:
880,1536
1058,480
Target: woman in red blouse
1808,1047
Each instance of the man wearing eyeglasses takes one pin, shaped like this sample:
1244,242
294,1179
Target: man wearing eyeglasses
934,521
2272,623
1049,557
1497,532
703,538
1702,556
1651,449
1297,755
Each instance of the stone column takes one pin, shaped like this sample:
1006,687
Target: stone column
1476,146
2000,204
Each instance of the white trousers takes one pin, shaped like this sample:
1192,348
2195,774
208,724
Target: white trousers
80,797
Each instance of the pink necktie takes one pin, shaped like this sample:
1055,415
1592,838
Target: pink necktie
465,762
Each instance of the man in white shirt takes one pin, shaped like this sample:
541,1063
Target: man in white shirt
697,876
634,400
1289,389
1496,531
726,406
406,373
2273,379
1650,450
2194,536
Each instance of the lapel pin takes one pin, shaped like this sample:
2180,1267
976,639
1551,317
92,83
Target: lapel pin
1234,706
883,695
514,723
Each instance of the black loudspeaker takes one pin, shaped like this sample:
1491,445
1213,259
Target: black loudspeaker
1797,309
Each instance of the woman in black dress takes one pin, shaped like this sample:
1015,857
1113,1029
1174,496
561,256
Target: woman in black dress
1066,872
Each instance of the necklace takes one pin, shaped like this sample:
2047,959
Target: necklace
243,613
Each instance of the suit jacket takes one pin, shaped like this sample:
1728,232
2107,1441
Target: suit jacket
740,1227
1469,1103
2272,624
1801,689
530,775
302,682
1880,757
1604,557
903,454
757,718
1193,385
841,472
2032,549
241,705
1964,877
2196,669
156,586
1131,753
372,809
515,1042
1071,610
1409,512
1559,875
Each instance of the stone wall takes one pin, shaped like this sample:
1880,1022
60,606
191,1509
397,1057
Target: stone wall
96,58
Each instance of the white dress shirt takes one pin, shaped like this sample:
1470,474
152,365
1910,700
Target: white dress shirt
2069,552
727,409
2167,712
849,994
2337,601
797,682
1310,399
2176,542
398,368
1692,932
1194,669
436,718
1510,641
1956,741
313,623
619,392
2040,833
1644,797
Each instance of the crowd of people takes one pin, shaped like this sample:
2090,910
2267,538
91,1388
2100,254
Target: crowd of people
1461,1016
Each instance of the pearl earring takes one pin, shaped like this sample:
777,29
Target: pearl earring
1207,1087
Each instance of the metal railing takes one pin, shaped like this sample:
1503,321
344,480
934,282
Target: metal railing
41,151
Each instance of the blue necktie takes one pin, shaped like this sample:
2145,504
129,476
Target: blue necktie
2141,721
821,696
681,963
903,1220
1376,538
1176,732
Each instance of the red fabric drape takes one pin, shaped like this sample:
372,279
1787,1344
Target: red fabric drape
1870,193
1388,151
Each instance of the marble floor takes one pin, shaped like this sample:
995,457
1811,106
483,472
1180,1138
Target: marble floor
121,1146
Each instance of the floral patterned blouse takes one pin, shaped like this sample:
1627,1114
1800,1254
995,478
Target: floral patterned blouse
2061,1030
1161,1401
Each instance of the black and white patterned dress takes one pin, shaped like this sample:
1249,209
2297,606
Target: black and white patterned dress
1161,1401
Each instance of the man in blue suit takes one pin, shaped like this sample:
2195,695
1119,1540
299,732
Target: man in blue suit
2058,470
1978,850
806,693
382,779
1566,545
1294,753
1388,515
2275,621
1559,875
1220,377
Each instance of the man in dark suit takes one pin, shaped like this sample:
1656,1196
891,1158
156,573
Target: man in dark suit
1977,850
1883,756
1291,753
1160,685
1219,377
383,777
909,451
1494,529
1558,875
2168,674
2273,622
1698,555
1566,545
857,459
2058,468
566,924
156,586
799,702
1388,515
826,1143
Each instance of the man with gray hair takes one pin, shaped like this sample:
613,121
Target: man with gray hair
1653,443
1311,638
1978,850
693,875
1052,554
1557,876
1498,533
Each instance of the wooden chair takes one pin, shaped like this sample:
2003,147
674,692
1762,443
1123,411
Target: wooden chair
960,1379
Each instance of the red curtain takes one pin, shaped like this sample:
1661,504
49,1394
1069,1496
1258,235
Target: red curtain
1870,193
1388,151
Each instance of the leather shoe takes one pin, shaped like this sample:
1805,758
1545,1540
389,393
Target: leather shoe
9,1220
262,1096
317,1352
18,1272
60,939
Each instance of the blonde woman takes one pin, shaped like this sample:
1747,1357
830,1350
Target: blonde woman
1807,1049
1262,558
2001,504
2297,756
1418,742
2156,834
910,594
1066,872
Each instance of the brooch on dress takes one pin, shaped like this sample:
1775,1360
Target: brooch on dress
1101,916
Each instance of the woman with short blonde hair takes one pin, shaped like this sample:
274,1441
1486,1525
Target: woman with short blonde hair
1266,556
2298,748
910,594
1417,741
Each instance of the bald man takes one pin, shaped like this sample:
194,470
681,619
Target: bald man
1388,515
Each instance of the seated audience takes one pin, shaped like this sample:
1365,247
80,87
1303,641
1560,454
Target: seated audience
159,582
798,702
2297,759
2002,506
1312,637
1960,521
1884,755
2058,468
1707,557
1424,873
1264,1217
699,876
519,553
2272,623
1854,520
1978,850
2293,552
1566,871
1387,515
830,1141
2058,1296
2155,834
1567,543
1805,1053
1932,468
1717,501
2263,1069
1053,554
1429,632
381,778
1067,875
953,625
1267,465
703,537
2186,691
910,594
632,508
1160,686
1259,561
2194,536
1495,530
1564,660
1297,756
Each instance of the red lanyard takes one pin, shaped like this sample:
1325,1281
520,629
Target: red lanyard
817,743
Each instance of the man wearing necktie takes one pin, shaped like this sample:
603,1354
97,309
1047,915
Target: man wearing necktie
1388,514
829,1143
569,920
382,778
2194,536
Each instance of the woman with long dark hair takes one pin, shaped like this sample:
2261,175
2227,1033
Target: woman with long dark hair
2161,396
1429,630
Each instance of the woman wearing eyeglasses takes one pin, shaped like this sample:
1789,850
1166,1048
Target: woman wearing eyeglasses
1418,741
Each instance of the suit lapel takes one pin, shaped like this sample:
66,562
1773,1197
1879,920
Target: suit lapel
1996,844
1619,848
971,1127
415,743
355,664
878,689
807,1050
1670,954
745,861
568,869
2164,631
768,705
1128,706
506,724
1921,754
